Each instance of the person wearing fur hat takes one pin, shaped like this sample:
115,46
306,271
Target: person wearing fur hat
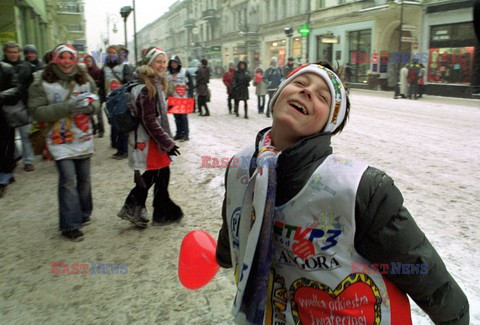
317,238
64,97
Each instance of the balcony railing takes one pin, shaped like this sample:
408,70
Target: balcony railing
209,14
68,8
189,23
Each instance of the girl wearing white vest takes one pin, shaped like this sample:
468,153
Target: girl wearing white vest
150,147
64,97
315,238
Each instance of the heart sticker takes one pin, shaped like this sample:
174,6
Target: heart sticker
356,300
181,90
303,248
82,121
141,145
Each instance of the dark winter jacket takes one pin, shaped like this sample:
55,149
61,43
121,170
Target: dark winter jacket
385,230
202,79
94,72
241,81
287,69
273,77
157,128
9,95
24,72
37,65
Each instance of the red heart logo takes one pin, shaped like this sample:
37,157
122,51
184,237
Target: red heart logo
303,248
114,85
141,145
82,121
180,90
356,300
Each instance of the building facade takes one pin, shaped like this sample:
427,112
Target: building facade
44,23
371,39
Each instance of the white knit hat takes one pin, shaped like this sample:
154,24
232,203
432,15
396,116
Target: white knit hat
152,54
338,106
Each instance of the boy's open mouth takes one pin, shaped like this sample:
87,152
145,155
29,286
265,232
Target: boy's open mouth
298,107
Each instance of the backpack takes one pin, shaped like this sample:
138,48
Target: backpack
412,74
120,108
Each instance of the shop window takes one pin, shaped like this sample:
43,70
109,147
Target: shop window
450,65
359,40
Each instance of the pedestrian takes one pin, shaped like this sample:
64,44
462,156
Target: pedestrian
9,95
24,72
30,54
260,89
151,146
422,75
203,93
299,221
241,81
178,80
94,72
273,77
289,67
228,82
404,81
413,80
114,73
65,98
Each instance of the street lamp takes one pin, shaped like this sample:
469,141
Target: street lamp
125,12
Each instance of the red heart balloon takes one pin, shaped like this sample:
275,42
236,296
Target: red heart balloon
196,262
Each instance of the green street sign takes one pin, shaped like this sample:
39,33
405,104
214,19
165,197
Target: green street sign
304,30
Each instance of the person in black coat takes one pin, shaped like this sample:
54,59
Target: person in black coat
241,81
9,95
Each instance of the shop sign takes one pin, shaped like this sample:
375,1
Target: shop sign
408,39
408,28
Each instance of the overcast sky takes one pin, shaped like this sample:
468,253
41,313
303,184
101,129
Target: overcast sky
97,11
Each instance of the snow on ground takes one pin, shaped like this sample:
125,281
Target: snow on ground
429,146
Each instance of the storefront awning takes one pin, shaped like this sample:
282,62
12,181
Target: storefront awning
37,6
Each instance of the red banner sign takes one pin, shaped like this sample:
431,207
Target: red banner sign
180,105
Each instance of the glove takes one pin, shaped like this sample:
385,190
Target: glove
174,151
81,104
138,179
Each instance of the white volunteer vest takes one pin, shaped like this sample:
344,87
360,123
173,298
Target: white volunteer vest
313,249
80,125
112,82
178,86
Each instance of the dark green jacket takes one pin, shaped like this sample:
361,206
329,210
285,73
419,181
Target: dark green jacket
385,230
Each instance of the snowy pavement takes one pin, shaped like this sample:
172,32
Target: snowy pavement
431,148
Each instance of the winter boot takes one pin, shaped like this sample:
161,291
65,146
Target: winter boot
246,110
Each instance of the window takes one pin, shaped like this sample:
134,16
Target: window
359,41
452,65
70,7
75,28
320,4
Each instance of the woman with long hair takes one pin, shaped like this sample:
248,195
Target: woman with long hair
151,146
64,97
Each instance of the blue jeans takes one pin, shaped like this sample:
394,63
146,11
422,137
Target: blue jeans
27,151
74,192
5,178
